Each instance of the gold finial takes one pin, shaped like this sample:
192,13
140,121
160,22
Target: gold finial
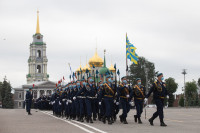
38,26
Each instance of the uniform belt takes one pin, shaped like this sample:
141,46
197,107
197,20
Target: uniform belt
80,97
162,97
140,98
89,97
123,97
108,95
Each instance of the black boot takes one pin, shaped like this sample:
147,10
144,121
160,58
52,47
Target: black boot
109,121
29,113
81,119
115,118
87,119
104,119
90,120
124,120
121,119
112,120
78,118
135,116
99,117
151,121
139,120
162,123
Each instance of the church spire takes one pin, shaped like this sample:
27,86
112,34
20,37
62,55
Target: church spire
38,26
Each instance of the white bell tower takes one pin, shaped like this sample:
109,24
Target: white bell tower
37,61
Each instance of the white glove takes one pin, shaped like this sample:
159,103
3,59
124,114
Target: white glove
99,103
127,96
53,102
59,103
66,103
126,85
63,100
96,95
131,103
114,101
70,101
167,97
74,98
145,100
117,103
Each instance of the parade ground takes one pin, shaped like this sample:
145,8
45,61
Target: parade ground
179,120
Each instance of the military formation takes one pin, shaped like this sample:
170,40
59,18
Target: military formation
85,100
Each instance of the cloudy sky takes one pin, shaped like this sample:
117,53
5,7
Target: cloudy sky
165,32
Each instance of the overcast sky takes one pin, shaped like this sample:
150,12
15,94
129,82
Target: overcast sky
166,32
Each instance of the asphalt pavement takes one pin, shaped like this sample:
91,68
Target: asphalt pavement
179,120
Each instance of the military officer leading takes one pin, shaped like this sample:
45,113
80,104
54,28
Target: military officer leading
159,93
29,98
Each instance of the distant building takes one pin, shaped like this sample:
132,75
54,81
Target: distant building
37,74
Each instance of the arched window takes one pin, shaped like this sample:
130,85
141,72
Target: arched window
38,69
39,53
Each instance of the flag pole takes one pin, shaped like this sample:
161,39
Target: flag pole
126,61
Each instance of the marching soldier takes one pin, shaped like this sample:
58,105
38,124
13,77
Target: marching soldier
107,93
81,99
123,95
159,92
139,93
101,102
88,92
29,98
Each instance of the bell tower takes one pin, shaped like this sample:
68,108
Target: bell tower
37,61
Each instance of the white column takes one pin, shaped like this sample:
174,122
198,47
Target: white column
38,93
24,94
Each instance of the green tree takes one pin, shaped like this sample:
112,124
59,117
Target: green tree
0,91
7,99
191,93
141,70
181,101
171,86
198,82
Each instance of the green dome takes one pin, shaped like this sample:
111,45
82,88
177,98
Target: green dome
103,70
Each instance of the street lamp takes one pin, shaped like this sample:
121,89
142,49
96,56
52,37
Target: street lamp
184,73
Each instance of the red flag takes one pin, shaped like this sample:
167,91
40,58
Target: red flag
75,76
33,85
56,84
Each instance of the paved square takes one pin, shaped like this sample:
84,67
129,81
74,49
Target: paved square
179,120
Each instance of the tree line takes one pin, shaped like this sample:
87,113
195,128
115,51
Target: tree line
146,71
6,97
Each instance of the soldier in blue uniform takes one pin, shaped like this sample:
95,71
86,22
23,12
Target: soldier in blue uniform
52,100
159,93
81,98
58,104
115,108
29,98
88,92
101,102
123,95
139,93
108,94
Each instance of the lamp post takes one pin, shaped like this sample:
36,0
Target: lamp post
184,73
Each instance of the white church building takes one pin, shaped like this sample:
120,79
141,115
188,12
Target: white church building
37,72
